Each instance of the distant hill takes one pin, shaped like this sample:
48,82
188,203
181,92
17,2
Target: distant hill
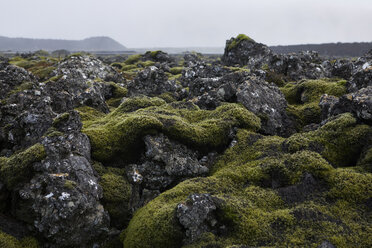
89,44
355,49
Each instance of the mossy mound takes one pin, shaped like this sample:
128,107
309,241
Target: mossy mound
40,66
250,179
116,196
340,140
119,134
15,169
303,98
8,241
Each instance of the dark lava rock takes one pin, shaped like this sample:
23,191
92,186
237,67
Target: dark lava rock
152,81
358,103
362,74
157,56
268,102
197,216
342,68
82,80
165,162
209,93
242,50
326,244
11,77
61,201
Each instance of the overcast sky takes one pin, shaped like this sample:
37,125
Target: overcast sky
175,23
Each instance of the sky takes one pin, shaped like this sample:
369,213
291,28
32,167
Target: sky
189,23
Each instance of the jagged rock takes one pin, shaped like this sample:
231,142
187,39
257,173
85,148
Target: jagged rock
268,102
61,201
165,162
199,69
242,50
297,66
25,117
11,77
84,68
342,68
358,103
197,216
157,56
152,81
208,93
362,73
81,80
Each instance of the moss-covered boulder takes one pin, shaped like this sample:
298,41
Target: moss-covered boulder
118,134
303,98
255,180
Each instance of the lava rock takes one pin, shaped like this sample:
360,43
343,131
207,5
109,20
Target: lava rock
268,102
197,215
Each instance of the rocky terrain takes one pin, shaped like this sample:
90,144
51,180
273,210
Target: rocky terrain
253,149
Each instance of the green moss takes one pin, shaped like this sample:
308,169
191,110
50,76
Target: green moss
17,168
133,59
347,184
60,118
116,196
119,132
89,114
70,184
236,41
308,91
118,93
167,97
8,241
304,98
253,212
176,70
341,140
21,87
366,160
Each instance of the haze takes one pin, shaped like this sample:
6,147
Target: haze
170,23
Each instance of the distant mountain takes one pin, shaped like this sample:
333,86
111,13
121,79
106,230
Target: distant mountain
89,44
355,49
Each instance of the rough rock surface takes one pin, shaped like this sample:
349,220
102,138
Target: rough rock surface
359,103
197,216
152,81
266,101
362,73
164,163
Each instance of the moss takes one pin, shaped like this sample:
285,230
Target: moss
89,114
116,196
119,132
70,184
118,93
236,41
253,213
308,91
22,87
304,98
167,97
60,119
366,160
17,168
133,59
347,184
341,140
176,70
8,241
